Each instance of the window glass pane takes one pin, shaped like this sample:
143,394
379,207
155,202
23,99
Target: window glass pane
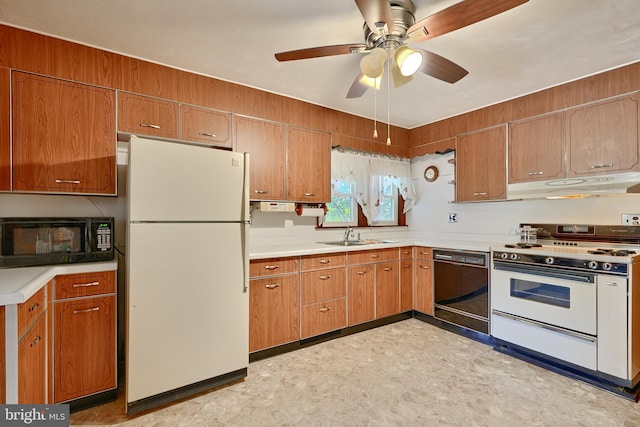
342,210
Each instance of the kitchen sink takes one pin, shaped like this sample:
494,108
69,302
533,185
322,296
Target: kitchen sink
347,242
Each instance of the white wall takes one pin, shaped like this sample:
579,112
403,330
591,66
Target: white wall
498,221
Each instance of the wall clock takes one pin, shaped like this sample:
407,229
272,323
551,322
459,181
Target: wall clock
430,173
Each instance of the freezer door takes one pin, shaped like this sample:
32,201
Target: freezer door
170,181
187,309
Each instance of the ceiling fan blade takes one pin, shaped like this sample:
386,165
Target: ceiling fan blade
358,88
458,16
376,12
317,52
441,68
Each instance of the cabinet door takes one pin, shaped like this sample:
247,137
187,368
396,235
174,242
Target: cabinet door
387,289
406,285
265,142
361,295
205,125
309,166
481,172
603,138
64,138
536,149
273,312
5,130
32,364
423,296
3,363
142,115
324,316
84,348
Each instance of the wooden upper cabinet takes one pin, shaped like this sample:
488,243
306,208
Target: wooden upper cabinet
603,137
64,136
266,144
5,129
206,126
143,115
481,171
309,166
536,149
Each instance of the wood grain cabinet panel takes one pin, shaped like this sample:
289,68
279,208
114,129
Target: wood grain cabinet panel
143,115
273,266
29,310
322,261
361,294
423,281
3,363
64,138
266,144
309,166
481,171
372,256
322,285
536,148
206,126
387,289
5,130
604,137
323,316
406,285
274,311
32,364
85,284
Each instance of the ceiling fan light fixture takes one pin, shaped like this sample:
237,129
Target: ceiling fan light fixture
372,65
408,60
372,82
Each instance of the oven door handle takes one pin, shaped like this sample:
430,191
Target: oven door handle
573,334
575,276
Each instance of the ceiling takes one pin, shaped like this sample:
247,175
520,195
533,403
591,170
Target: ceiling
539,44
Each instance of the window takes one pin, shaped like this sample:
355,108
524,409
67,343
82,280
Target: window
368,190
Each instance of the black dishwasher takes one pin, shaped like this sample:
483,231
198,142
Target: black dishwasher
461,288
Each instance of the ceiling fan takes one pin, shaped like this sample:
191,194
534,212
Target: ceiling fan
389,26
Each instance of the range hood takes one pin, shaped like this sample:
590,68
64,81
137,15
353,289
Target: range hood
621,183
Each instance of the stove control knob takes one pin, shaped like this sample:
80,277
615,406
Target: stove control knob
504,255
592,265
514,256
606,266
549,260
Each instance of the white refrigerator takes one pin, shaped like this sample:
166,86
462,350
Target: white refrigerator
187,270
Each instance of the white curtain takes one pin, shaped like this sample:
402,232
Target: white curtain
364,171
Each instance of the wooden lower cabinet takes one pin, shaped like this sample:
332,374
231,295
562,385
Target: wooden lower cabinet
361,283
274,311
3,362
423,281
406,285
83,335
387,289
32,364
323,316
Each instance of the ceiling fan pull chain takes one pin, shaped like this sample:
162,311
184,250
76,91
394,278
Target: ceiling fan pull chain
375,108
388,102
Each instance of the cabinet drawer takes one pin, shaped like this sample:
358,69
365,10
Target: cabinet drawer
324,317
373,255
273,266
142,115
85,284
323,284
406,252
317,262
29,310
424,253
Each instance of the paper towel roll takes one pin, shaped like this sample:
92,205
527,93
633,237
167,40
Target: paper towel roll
304,211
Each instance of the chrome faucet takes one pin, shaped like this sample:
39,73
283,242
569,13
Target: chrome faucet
348,232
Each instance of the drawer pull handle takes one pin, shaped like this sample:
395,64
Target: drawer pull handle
88,310
387,269
147,125
34,307
67,181
272,286
271,267
261,191
606,165
361,273
85,285
406,266
535,173
309,194
426,267
324,261
480,193
35,341
327,277
324,309
375,255
212,135
424,253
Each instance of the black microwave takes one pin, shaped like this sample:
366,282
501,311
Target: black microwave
45,241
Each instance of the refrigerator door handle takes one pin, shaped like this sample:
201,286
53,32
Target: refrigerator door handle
246,226
245,256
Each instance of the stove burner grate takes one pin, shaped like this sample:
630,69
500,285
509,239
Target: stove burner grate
523,245
612,252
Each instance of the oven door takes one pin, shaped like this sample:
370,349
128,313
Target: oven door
551,295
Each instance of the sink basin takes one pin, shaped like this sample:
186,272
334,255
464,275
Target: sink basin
346,242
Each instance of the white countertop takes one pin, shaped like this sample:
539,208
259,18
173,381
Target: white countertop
18,284
283,249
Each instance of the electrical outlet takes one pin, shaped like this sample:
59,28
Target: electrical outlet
453,217
630,219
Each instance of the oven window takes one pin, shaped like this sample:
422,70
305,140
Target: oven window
559,296
44,240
